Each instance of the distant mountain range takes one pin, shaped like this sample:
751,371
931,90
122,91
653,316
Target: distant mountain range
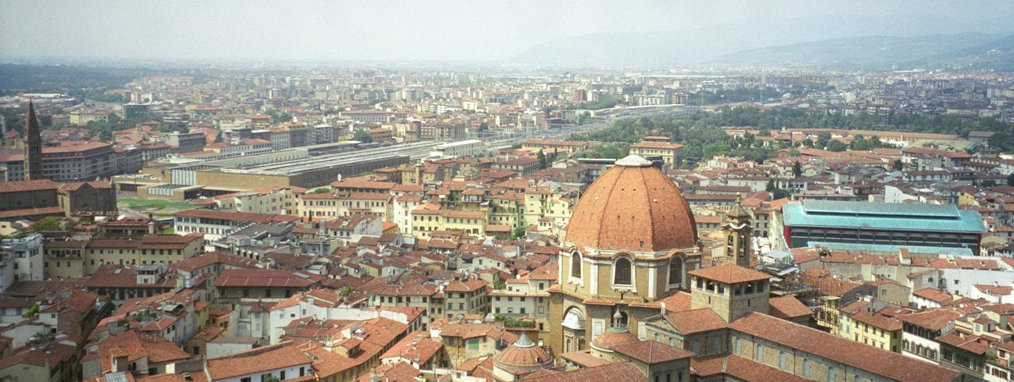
836,42
963,50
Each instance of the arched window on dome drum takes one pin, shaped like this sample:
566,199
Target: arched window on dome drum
675,270
575,265
622,272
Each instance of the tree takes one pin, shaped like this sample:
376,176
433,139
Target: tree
48,223
542,159
989,183
795,153
797,169
836,146
823,138
808,143
1010,180
518,233
363,136
279,116
780,194
897,166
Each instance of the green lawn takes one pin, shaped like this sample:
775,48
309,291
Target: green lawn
154,204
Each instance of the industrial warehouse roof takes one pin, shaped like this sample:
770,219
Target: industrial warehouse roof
891,248
882,216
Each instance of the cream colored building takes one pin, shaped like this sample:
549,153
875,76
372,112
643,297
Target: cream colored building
669,152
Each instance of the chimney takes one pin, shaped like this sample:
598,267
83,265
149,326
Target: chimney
151,223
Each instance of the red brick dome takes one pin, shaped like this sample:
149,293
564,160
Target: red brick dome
612,337
523,355
632,206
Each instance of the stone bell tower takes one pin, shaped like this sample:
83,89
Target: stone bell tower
738,233
33,146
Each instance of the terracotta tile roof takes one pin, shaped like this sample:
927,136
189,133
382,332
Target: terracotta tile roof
651,352
547,272
880,362
417,347
136,346
265,278
610,338
934,295
855,306
471,330
933,319
970,344
585,359
993,290
877,320
677,302
52,354
235,216
398,371
259,359
788,307
740,368
362,183
696,321
212,258
465,286
730,274
656,145
612,372
831,286
192,377
29,212
113,276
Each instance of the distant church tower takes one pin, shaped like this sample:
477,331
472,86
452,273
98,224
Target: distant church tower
33,146
738,235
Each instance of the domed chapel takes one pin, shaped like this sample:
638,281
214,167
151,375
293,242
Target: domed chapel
631,241
630,280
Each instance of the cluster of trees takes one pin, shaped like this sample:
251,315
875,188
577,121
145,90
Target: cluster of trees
362,135
278,116
777,193
546,161
701,135
757,94
1003,140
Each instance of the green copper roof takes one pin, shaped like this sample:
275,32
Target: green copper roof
882,216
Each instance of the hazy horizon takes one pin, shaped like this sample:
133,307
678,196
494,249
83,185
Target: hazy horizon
438,31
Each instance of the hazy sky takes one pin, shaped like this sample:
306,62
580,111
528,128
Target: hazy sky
386,30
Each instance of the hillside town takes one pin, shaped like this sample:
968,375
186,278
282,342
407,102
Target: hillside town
396,225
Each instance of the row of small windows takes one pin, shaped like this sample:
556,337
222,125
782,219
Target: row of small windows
623,270
783,362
